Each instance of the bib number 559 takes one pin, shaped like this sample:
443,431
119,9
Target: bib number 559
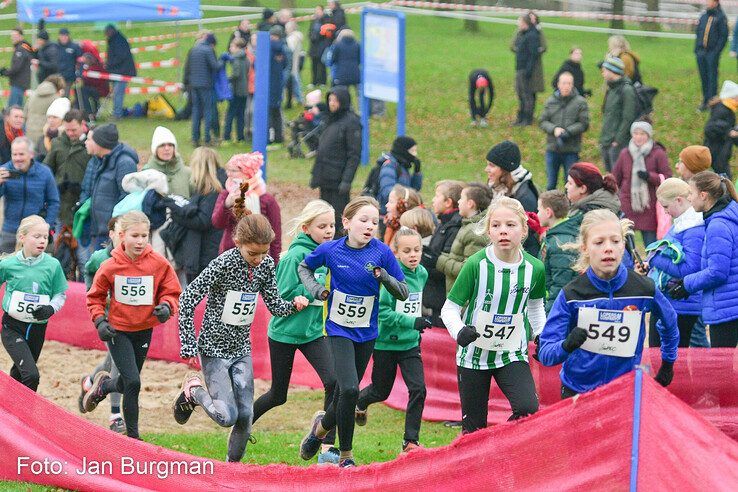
351,311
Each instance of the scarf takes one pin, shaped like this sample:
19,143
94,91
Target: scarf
11,134
520,175
639,196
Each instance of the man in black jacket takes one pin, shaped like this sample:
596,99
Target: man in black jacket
47,54
711,37
338,154
69,51
19,72
201,68
120,61
526,56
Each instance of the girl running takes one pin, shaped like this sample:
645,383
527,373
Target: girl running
232,282
35,290
501,290
358,264
596,326
302,331
398,343
143,291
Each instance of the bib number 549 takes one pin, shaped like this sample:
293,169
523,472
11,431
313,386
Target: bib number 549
596,331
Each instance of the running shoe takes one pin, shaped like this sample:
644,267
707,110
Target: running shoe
360,417
118,425
83,382
408,446
311,443
347,463
95,395
330,456
184,404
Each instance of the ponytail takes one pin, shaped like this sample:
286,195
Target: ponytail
714,185
251,228
239,207
729,188
609,183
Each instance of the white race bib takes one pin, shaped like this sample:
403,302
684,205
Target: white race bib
610,332
134,291
351,311
239,308
500,332
22,303
412,306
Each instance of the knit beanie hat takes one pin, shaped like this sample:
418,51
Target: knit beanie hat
696,158
162,135
313,98
106,136
643,126
402,144
43,35
506,155
59,107
586,174
613,64
266,14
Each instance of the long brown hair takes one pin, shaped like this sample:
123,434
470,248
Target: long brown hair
714,185
251,228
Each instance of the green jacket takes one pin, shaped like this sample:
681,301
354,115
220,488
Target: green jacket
557,261
306,325
68,161
618,112
93,264
466,243
570,113
178,175
397,330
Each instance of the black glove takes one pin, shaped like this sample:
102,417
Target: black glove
676,290
344,188
416,165
162,312
105,330
43,312
537,341
422,323
575,339
643,175
466,336
665,374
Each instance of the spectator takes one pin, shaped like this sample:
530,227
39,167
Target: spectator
318,44
526,45
243,32
337,14
120,61
565,118
46,57
202,67
638,173
53,127
267,20
587,189
720,133
692,160
28,188
619,47
111,160
92,89
165,159
339,152
507,177
618,113
239,79
400,200
277,66
13,120
19,71
294,44
539,83
247,168
69,52
710,39
251,57
283,17
553,207
345,59
573,65
401,166
39,102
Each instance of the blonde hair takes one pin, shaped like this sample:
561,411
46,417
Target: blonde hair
419,219
671,189
204,164
409,196
312,211
591,219
617,45
451,188
26,225
482,227
130,219
405,232
356,204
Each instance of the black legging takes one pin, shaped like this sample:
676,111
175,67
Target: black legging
282,357
23,342
516,382
724,335
480,100
318,71
128,349
350,360
685,322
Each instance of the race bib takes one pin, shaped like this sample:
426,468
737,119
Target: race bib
22,303
239,308
134,291
351,311
411,306
500,332
610,332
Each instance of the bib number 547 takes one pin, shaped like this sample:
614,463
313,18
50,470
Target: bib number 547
496,331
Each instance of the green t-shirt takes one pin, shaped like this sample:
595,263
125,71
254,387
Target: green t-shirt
43,276
93,264
397,318
486,283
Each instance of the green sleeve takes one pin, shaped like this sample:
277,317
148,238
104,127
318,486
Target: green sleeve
58,281
388,315
288,282
538,289
463,288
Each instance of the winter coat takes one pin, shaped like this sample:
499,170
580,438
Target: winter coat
599,199
294,43
631,62
68,161
48,61
103,183
526,193
527,55
120,59
395,171
277,66
318,43
539,83
240,74
718,275
575,69
717,137
339,146
689,232
33,192
619,112
68,54
558,261
656,163
434,294
101,86
35,110
466,243
338,18
346,59
19,71
178,175
202,66
570,113
717,36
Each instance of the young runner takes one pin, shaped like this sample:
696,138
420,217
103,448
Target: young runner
358,264
35,290
500,290
143,291
398,343
596,327
302,331
232,282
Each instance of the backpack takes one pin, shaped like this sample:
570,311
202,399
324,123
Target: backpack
371,185
645,95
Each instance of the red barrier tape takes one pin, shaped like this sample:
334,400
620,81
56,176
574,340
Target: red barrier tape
92,74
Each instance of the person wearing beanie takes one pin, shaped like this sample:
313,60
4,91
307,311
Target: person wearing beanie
692,160
720,135
638,172
46,56
165,159
711,36
53,127
399,166
619,110
527,46
267,20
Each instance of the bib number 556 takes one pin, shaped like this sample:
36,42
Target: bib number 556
133,290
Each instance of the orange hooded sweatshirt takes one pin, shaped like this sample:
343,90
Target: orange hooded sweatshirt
138,272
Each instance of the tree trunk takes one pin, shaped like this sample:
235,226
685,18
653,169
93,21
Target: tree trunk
652,6
471,25
618,8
